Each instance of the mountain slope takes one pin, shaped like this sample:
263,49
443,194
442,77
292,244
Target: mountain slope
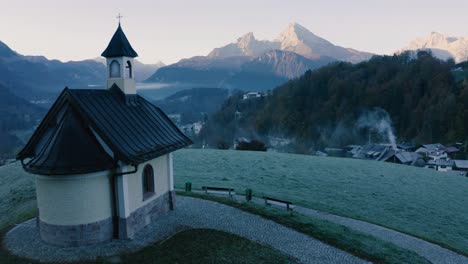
15,114
193,104
245,73
199,71
442,46
322,108
271,69
35,77
298,39
284,64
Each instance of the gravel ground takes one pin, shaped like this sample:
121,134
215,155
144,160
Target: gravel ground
24,239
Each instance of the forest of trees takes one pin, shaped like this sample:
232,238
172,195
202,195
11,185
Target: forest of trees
320,109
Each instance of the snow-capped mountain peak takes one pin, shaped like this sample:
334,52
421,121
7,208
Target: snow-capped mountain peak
294,34
443,46
295,38
246,45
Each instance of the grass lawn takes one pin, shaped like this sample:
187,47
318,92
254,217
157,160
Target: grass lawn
421,202
190,246
17,195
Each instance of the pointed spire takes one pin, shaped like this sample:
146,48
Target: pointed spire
119,45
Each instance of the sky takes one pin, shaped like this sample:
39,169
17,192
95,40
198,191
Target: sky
168,31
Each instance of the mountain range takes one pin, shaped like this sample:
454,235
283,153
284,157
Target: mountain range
36,77
252,64
443,46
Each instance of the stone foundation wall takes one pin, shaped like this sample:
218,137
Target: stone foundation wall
76,235
145,215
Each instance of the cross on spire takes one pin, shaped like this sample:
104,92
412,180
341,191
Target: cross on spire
119,17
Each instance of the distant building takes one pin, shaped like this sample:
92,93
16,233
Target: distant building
433,151
102,159
405,157
443,165
251,95
370,151
461,165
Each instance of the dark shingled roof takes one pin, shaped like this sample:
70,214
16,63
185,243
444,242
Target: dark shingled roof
84,128
119,46
70,142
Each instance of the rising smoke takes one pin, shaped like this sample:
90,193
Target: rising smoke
378,121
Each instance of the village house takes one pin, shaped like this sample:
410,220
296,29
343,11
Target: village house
385,152
405,157
433,151
443,165
370,151
252,95
102,159
461,166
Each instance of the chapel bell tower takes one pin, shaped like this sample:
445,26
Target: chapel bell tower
119,56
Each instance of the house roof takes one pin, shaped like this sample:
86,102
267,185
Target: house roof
119,46
125,128
406,146
434,147
371,151
451,149
407,157
462,164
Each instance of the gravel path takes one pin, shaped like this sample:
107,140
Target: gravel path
24,239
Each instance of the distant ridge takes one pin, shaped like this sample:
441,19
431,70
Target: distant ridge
34,77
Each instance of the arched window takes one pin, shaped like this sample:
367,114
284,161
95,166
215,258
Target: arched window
148,181
114,69
129,67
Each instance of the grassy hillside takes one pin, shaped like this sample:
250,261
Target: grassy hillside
17,194
417,201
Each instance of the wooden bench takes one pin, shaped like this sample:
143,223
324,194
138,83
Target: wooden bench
277,202
218,190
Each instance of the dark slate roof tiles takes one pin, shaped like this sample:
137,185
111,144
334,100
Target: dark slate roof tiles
135,130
